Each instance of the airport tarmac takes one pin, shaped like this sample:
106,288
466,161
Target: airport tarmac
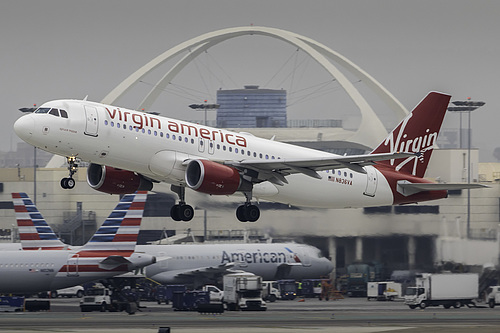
342,316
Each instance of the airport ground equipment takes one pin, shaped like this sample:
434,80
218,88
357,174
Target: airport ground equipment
76,291
359,274
216,295
243,291
165,293
493,296
383,291
311,288
270,292
287,289
443,289
11,304
195,300
100,298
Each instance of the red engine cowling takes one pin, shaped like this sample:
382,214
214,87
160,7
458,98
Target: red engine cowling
212,178
116,181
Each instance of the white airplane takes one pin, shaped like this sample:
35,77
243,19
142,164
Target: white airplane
199,264
195,264
111,251
130,150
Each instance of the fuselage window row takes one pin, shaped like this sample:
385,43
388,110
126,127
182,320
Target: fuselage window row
186,140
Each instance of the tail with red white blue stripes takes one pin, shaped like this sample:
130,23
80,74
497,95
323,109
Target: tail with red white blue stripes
34,232
120,230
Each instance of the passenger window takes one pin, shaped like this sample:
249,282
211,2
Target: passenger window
54,112
64,114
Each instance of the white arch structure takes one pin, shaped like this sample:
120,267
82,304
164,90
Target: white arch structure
371,129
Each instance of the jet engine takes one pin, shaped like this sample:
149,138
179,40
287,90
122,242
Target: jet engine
213,178
116,181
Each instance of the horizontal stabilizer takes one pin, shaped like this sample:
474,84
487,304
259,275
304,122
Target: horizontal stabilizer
113,262
406,188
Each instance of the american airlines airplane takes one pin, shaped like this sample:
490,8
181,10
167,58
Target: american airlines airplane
130,150
110,252
194,264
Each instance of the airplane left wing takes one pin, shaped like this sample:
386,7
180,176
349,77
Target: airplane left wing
210,271
276,170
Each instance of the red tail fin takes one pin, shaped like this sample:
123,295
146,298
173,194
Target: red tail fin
418,132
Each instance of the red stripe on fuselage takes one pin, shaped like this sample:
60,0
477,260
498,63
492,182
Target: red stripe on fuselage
103,253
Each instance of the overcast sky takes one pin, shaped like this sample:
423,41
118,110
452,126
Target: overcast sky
69,49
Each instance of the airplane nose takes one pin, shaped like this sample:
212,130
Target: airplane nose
24,127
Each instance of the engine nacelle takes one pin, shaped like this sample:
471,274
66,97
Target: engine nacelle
116,181
212,177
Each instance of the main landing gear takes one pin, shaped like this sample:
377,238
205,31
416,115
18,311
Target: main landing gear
68,183
248,212
181,211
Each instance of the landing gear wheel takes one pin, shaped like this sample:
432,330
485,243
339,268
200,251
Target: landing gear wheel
240,214
67,183
174,213
250,213
182,212
186,212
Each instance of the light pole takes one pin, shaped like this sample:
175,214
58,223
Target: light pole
204,107
466,106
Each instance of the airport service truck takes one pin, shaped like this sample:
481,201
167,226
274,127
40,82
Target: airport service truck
243,291
443,289
493,296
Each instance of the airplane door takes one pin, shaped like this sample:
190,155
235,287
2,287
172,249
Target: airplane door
304,258
201,145
91,120
371,181
211,147
72,265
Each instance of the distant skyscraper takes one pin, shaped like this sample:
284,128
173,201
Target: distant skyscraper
251,107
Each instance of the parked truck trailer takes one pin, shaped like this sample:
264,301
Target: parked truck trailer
443,289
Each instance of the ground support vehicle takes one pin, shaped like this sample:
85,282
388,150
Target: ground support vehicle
76,291
383,291
443,289
287,289
165,293
270,292
103,299
311,288
216,295
493,296
11,304
243,291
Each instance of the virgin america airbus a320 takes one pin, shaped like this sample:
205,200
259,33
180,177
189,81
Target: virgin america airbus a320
130,150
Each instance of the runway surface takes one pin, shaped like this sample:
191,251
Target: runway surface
341,316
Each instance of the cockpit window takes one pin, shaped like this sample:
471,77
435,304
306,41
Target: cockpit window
42,110
54,112
64,114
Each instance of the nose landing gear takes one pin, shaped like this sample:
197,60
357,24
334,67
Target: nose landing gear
69,182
